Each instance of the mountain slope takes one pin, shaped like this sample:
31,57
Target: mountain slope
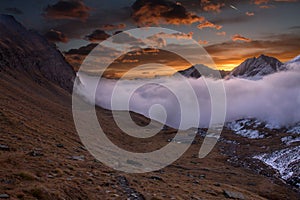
42,156
257,67
32,54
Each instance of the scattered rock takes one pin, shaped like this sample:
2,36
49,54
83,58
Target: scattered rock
132,194
233,195
60,145
156,178
217,184
211,192
80,158
50,176
4,196
4,147
202,176
35,153
82,148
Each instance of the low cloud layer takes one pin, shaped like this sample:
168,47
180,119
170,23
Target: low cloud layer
274,99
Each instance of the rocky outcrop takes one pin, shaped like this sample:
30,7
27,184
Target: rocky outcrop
30,53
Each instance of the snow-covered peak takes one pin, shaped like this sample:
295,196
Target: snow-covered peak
256,68
296,59
199,70
293,64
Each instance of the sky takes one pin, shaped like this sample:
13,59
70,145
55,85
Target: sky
229,30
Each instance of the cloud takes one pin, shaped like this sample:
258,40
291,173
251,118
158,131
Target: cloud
109,27
264,99
148,12
67,9
76,56
249,13
208,6
266,6
222,33
14,10
123,61
294,27
208,24
100,17
127,38
238,37
175,35
56,36
97,35
259,2
203,42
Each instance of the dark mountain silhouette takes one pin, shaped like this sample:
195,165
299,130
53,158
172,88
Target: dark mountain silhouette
28,52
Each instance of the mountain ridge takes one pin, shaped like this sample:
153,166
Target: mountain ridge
27,51
251,68
257,67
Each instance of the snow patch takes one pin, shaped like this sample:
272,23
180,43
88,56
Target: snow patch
239,128
282,160
290,139
295,129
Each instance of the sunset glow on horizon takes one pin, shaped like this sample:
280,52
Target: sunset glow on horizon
230,31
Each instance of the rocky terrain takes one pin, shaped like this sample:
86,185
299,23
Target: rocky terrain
279,148
42,156
31,54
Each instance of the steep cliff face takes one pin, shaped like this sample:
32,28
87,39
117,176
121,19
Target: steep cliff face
30,53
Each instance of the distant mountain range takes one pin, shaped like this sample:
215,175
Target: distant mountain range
251,68
198,70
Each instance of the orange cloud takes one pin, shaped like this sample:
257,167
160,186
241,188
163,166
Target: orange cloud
212,7
259,2
208,24
238,37
265,6
250,13
109,27
223,33
147,12
71,9
175,35
203,42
